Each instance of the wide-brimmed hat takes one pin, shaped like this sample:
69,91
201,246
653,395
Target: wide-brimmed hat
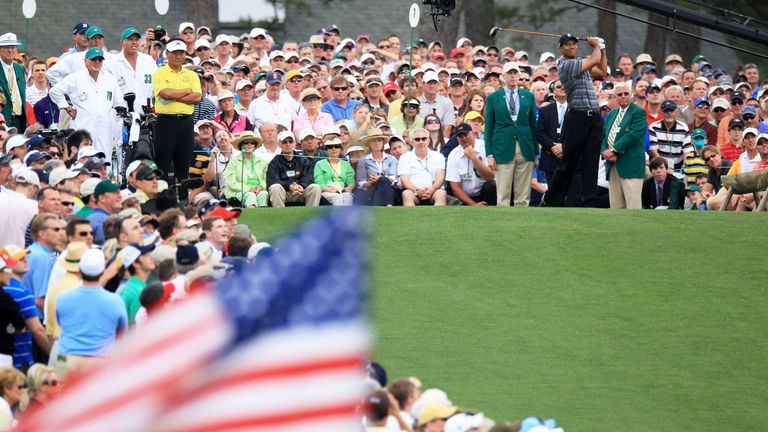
245,136
374,133
74,252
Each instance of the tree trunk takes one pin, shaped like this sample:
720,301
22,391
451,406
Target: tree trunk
478,21
656,41
606,28
447,29
204,13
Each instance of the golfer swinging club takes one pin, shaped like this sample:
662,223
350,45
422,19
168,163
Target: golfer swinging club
582,124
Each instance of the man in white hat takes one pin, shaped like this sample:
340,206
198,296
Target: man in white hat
223,49
89,98
132,69
12,83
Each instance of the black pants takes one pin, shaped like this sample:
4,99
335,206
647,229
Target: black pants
174,140
380,194
487,193
582,138
19,122
573,196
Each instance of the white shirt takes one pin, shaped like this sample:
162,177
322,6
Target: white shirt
13,224
267,155
263,110
34,95
422,172
747,164
137,81
94,102
461,170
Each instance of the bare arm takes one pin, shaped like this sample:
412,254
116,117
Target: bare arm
38,333
174,94
459,193
405,179
595,58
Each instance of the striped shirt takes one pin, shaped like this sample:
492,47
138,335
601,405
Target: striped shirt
22,341
731,151
694,166
577,84
205,110
671,144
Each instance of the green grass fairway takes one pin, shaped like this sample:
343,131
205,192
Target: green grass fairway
604,320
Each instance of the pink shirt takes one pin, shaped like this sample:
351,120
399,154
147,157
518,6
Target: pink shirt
302,121
13,224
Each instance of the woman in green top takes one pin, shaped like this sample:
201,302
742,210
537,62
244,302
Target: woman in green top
247,173
411,112
335,176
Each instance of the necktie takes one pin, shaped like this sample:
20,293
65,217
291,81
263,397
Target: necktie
615,129
560,114
14,86
511,102
659,194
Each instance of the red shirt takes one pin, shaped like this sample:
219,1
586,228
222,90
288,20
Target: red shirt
731,151
651,118
763,164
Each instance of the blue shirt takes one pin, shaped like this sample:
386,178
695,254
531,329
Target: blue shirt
339,113
97,217
90,318
41,261
22,341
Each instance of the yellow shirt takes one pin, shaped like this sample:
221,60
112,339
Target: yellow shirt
67,282
164,78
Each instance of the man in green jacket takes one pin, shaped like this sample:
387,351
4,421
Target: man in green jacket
624,150
510,138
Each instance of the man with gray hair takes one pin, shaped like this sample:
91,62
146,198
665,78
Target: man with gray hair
422,172
624,150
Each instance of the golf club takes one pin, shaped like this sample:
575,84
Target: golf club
496,29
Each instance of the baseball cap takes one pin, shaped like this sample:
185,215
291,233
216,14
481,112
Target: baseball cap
243,83
458,52
185,25
274,77
81,27
545,56
702,100
257,31
749,110
225,94
668,105
130,31
26,176
511,66
762,136
305,133
698,57
202,43
225,213
222,38
187,255
88,186
431,76
463,128
473,115
390,86
673,57
644,58
35,141
60,174
146,172
720,103
698,133
435,411
176,45
309,94
463,422
132,253
105,186
374,80
95,163
456,81
749,131
94,31
35,156
284,135
734,123
14,142
693,188
737,96
648,68
92,263
94,52
5,159
565,37
12,254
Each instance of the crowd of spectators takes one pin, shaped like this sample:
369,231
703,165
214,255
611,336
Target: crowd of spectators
93,241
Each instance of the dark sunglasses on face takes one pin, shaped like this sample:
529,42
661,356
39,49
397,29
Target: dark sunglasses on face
68,203
719,110
420,139
369,62
203,49
54,154
333,147
709,158
84,233
288,141
748,117
339,89
296,80
737,102
389,94
150,178
433,121
292,61
253,143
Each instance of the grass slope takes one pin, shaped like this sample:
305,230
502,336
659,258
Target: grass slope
604,320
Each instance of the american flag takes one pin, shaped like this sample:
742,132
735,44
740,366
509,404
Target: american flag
279,346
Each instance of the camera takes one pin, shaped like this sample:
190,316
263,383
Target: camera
441,7
160,32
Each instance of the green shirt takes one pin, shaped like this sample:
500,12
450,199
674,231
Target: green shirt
325,176
84,212
130,294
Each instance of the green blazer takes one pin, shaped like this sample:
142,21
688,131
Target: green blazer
629,143
501,132
6,89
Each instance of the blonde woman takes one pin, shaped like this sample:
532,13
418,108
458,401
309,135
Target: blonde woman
12,386
42,385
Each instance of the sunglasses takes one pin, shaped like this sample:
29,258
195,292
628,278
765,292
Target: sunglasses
68,203
420,139
55,154
737,102
54,383
288,141
85,233
203,49
385,46
292,62
253,143
188,32
339,89
150,178
369,62
524,79
433,122
333,147
296,80
719,110
748,117
389,94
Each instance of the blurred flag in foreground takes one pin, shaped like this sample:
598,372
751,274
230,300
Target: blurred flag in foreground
280,346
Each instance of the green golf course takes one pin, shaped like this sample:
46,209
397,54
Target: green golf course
604,320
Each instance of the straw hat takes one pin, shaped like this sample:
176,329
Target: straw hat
246,136
373,133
